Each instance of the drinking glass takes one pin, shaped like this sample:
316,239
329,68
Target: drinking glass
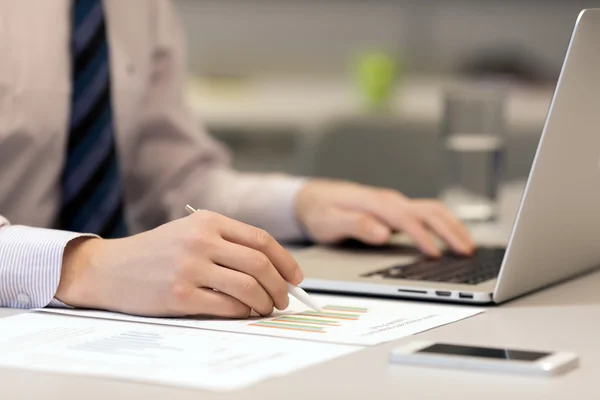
474,150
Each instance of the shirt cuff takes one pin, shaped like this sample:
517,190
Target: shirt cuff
55,303
30,265
279,212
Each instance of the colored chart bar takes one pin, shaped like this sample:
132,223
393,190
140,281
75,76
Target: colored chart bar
345,316
345,308
292,327
292,318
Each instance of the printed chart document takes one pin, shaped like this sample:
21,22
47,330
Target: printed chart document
155,354
343,320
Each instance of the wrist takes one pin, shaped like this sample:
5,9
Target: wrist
75,287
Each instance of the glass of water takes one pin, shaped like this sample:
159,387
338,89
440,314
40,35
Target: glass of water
474,136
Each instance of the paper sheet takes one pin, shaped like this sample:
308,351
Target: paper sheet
155,354
344,320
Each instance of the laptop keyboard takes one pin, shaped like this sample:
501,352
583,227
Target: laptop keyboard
482,266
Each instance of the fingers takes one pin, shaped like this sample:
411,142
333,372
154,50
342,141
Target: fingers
401,214
358,225
446,232
409,223
240,286
457,227
257,265
210,302
258,239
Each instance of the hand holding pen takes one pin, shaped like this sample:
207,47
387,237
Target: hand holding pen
269,270
204,264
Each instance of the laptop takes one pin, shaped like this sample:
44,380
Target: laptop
556,233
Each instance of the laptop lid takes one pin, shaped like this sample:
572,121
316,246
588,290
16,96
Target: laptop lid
557,229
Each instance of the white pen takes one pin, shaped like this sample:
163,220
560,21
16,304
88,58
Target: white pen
301,295
294,290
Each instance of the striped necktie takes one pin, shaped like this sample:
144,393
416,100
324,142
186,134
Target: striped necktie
92,195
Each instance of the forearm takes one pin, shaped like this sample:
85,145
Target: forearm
30,265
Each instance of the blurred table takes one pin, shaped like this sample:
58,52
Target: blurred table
316,126
300,104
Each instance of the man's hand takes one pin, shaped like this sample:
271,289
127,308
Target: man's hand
202,264
332,211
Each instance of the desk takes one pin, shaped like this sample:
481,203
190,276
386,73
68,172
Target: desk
303,104
564,317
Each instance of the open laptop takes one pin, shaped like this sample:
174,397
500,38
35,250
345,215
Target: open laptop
556,234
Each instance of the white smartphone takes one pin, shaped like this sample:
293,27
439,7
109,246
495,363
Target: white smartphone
484,358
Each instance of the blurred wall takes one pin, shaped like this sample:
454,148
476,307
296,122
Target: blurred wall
319,36
254,37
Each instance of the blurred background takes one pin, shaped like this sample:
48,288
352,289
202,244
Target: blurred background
359,89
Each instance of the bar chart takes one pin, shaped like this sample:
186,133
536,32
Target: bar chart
315,322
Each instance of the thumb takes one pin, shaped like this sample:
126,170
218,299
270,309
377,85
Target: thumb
350,224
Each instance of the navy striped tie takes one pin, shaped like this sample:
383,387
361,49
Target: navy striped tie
92,195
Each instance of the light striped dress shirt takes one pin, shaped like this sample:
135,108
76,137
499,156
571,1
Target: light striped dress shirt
30,265
167,159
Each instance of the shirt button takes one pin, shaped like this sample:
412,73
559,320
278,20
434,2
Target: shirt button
23,299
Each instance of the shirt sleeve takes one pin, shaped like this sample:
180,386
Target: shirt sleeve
30,265
175,161
263,200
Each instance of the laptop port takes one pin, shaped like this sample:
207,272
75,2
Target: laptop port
465,295
442,293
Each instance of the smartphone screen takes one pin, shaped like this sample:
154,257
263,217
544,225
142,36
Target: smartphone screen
483,352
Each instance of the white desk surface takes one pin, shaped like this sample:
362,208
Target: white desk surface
564,317
300,104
